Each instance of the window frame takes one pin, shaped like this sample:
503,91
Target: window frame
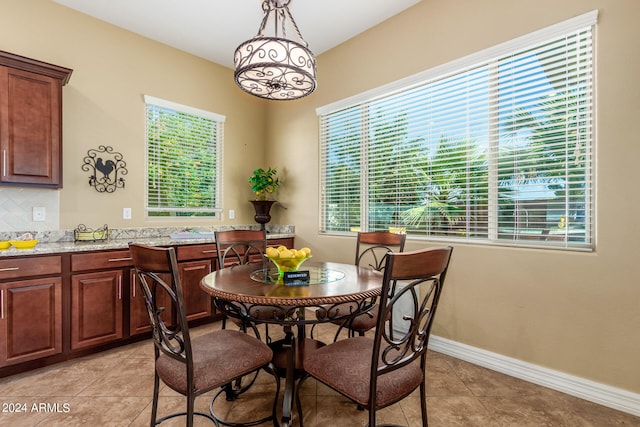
453,68
180,213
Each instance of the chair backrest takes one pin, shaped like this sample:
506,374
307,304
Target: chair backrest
158,278
236,247
420,277
373,246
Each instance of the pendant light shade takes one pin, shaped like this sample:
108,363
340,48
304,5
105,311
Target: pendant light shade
276,67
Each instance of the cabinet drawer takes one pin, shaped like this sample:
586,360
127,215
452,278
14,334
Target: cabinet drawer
285,241
196,252
12,268
101,260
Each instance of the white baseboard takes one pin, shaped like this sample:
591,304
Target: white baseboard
592,391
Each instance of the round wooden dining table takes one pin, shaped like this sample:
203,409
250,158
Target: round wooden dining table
257,293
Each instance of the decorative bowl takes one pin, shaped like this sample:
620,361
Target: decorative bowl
4,244
287,264
24,244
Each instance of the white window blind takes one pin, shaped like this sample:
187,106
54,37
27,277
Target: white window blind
184,155
493,148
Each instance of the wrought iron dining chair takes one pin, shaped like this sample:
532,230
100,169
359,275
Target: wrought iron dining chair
191,366
239,247
371,251
380,371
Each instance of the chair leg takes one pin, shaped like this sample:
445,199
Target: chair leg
274,411
298,401
372,415
190,408
154,405
423,403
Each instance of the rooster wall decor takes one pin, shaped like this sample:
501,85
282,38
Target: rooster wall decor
106,167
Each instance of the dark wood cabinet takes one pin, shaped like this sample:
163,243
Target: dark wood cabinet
60,306
138,315
97,297
96,308
285,241
197,304
31,309
195,262
31,121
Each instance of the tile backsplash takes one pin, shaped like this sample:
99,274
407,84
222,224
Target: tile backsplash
16,209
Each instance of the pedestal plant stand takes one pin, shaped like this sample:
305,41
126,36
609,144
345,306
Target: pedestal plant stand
262,207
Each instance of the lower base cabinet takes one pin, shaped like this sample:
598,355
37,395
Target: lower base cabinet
60,306
197,303
138,315
96,308
31,321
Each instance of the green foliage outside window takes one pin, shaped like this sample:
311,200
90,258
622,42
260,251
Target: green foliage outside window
501,151
182,163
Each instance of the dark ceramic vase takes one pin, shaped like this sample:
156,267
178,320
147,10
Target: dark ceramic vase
262,208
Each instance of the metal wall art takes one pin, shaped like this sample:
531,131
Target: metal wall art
106,167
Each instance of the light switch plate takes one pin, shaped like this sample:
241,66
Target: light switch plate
126,213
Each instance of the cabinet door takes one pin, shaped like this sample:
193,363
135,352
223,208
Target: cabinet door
31,321
30,128
138,315
197,303
96,308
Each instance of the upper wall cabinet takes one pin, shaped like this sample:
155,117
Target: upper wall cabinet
31,121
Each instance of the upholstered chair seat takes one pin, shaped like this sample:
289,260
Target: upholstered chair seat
346,365
212,366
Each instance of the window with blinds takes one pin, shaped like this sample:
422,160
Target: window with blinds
184,147
493,148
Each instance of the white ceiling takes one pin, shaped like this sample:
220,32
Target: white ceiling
212,29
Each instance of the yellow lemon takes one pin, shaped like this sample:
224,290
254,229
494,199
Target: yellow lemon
272,252
306,251
300,254
282,248
286,254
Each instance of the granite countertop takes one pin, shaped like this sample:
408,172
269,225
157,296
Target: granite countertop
48,243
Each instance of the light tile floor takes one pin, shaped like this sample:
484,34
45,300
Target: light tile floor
114,388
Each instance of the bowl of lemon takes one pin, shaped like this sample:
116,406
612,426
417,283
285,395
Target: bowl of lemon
287,259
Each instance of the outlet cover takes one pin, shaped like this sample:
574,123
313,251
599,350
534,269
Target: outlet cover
126,213
39,213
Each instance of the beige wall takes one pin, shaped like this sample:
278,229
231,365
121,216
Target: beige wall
103,105
573,312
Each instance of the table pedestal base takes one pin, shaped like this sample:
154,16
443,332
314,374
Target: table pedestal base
288,356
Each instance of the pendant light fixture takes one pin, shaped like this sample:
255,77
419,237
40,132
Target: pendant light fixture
275,66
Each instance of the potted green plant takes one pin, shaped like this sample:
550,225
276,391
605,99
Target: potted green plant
263,184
